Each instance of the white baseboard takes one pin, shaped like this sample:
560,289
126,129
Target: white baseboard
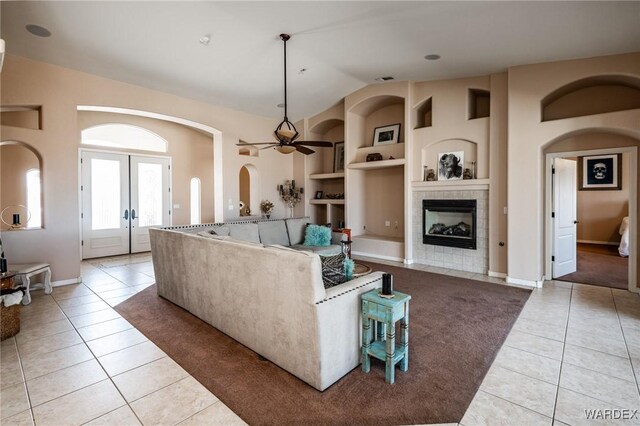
528,283
497,274
66,282
605,243
378,256
409,262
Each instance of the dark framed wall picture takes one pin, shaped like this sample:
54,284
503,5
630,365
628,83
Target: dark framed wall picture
600,172
319,195
450,165
338,157
387,135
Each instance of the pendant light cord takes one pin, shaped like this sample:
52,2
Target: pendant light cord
284,38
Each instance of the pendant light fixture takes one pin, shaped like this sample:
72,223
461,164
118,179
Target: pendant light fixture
286,133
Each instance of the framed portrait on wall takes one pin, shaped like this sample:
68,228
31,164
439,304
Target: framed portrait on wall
338,157
386,135
600,172
450,165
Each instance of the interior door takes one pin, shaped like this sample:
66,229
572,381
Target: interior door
149,199
565,220
105,204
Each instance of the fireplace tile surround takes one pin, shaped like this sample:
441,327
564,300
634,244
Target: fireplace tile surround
460,259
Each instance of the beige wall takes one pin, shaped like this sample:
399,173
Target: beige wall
528,137
600,213
191,155
59,91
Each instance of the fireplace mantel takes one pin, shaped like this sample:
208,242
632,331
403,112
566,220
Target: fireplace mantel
451,185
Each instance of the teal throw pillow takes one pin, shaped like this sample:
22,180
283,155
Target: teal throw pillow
317,235
349,266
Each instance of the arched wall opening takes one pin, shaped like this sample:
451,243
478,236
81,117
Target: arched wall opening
216,139
21,184
594,142
248,178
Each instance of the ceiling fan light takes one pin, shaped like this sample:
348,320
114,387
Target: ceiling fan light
286,135
285,149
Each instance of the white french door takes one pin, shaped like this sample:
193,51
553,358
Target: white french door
122,197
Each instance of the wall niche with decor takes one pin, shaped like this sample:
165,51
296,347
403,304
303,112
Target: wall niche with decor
324,189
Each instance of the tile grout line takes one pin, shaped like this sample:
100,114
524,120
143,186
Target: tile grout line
99,363
24,380
510,402
633,371
564,344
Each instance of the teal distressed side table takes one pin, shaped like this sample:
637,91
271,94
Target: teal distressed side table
385,312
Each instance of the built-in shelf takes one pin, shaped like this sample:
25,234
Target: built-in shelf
382,164
319,176
326,201
462,184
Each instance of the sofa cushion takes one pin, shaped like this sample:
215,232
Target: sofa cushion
317,235
296,228
325,250
273,232
244,232
333,270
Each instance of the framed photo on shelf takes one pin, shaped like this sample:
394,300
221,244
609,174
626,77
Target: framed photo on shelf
450,165
386,135
600,172
319,195
338,157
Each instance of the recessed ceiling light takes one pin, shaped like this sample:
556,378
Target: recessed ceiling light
387,78
37,30
432,57
205,39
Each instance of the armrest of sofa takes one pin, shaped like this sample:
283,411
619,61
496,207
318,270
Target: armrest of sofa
355,284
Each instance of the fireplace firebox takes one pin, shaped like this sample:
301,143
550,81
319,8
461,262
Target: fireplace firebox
450,223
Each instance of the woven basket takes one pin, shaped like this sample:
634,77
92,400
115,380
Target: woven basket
9,321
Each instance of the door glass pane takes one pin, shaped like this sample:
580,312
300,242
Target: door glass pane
105,194
149,194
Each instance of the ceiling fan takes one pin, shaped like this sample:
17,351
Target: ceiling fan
286,133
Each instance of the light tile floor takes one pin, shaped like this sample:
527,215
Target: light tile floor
76,361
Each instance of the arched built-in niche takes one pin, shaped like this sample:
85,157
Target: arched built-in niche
431,154
248,184
21,168
592,95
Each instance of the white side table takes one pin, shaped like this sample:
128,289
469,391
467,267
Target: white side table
25,271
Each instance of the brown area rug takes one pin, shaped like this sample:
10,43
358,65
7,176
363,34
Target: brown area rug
456,328
600,265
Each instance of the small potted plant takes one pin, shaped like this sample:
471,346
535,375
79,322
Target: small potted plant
266,207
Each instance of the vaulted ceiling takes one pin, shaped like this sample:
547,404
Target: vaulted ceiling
342,45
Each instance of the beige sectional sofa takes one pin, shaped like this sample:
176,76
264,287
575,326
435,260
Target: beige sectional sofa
268,297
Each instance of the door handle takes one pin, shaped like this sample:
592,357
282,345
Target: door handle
133,214
126,214
575,222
